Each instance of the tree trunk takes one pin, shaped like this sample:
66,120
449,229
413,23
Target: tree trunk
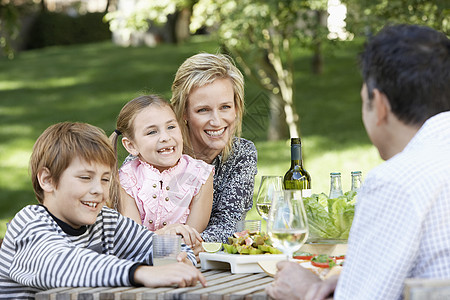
321,23
277,126
170,28
182,23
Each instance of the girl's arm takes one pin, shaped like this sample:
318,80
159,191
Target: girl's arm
128,208
201,206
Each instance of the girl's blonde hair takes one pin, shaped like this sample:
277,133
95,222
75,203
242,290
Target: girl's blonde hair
200,70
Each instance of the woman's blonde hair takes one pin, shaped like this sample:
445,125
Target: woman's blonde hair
200,70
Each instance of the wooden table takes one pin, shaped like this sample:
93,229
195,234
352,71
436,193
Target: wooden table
221,285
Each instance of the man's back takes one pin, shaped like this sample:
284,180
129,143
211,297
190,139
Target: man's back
402,225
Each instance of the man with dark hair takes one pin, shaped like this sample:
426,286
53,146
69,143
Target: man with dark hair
402,225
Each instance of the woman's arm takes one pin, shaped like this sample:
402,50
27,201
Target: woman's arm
128,208
201,206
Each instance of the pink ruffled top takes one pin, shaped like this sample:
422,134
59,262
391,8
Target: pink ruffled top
164,197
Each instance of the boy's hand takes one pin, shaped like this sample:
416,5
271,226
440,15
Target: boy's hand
190,235
179,274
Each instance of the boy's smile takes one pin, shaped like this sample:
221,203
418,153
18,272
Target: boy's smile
81,192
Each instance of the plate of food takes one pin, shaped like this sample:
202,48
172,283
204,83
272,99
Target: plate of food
242,253
323,266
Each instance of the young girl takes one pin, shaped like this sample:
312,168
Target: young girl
163,188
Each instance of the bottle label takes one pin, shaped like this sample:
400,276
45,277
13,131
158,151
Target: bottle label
306,193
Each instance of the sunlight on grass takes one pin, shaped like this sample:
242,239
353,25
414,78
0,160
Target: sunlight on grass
3,227
11,85
41,84
13,111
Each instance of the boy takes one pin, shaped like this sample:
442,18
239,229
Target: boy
70,238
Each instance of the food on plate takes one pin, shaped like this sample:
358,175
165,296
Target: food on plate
323,261
270,267
246,242
211,247
303,255
330,218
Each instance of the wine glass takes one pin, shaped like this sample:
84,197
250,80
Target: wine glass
287,224
269,185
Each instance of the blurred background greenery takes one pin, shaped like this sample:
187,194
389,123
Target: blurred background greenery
59,64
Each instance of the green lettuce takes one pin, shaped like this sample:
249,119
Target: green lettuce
330,218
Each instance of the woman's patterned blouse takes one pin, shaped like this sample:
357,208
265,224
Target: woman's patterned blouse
234,181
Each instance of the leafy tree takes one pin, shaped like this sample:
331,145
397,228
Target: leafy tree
9,27
370,16
175,14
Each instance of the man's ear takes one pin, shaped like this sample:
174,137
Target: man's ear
45,180
381,105
129,145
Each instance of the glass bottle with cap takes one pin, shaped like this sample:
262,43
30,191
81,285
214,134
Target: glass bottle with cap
356,180
335,185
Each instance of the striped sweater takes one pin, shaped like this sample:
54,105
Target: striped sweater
40,252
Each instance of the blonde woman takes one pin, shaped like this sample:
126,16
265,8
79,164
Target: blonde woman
208,100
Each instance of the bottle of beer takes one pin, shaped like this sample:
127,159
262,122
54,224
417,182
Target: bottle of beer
297,178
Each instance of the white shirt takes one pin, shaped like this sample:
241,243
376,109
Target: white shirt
402,220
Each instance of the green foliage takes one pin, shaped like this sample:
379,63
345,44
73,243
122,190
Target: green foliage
9,27
139,16
52,29
370,16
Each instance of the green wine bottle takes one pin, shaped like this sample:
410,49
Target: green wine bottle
296,178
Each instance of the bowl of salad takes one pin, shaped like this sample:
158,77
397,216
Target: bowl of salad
329,219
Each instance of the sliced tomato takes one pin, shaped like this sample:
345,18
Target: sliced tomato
323,261
303,255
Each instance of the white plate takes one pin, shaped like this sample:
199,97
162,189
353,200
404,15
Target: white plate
270,267
236,262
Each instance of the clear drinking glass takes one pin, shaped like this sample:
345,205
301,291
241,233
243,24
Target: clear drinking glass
166,249
287,224
250,225
269,185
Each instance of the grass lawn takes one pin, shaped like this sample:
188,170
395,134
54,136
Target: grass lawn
90,83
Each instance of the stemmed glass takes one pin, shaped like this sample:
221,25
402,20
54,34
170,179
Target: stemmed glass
269,185
287,224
